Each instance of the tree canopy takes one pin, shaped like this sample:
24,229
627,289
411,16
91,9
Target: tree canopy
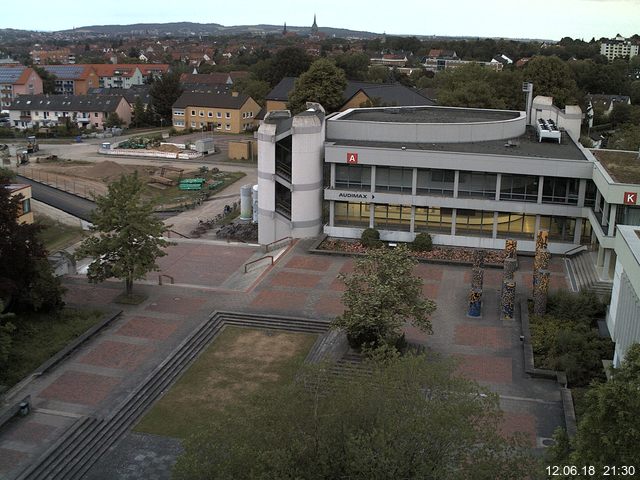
609,427
128,238
164,92
410,418
552,77
381,295
27,282
323,83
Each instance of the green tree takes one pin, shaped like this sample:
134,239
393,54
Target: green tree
355,65
256,89
48,80
113,120
165,92
609,427
323,83
6,330
626,137
409,418
552,77
128,237
381,295
27,282
288,62
139,113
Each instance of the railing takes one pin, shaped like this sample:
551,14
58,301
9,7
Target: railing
169,232
574,250
164,275
258,260
59,182
271,246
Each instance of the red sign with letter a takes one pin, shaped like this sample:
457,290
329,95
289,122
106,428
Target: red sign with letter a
630,198
352,158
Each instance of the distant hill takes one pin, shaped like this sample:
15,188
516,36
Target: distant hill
191,29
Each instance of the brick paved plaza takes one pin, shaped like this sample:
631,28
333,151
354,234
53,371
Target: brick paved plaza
104,370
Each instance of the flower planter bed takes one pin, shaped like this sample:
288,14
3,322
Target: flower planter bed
447,255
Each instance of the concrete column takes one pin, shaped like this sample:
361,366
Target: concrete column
494,232
412,228
414,186
540,187
613,209
498,185
578,232
606,264
372,207
456,182
373,179
453,221
333,178
605,214
582,191
596,207
600,259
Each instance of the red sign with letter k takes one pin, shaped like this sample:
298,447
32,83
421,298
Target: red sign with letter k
630,198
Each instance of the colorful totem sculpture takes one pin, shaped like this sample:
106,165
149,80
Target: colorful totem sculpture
541,292
508,299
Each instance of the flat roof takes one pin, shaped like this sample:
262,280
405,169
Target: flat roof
429,115
631,235
526,145
624,167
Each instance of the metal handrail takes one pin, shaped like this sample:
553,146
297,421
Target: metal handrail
177,233
570,252
164,275
257,260
268,246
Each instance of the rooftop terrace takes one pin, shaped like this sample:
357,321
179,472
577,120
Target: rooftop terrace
525,145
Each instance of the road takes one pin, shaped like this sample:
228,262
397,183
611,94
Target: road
72,204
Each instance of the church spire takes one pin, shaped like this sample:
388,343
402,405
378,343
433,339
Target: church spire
314,27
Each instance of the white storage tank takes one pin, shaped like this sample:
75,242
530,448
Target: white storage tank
245,202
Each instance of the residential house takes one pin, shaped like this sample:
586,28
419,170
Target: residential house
86,111
17,80
233,113
502,59
356,94
125,75
130,94
605,103
62,56
25,215
73,79
390,60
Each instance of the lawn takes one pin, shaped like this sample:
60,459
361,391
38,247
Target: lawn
239,362
58,236
622,166
40,336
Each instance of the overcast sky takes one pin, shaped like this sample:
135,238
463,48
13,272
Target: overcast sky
546,19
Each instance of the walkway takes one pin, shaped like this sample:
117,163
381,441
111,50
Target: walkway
99,376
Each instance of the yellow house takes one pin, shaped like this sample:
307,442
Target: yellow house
25,215
229,113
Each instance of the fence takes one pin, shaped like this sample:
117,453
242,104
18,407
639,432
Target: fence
149,153
60,182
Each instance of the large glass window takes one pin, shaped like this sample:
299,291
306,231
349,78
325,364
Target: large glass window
283,201
283,157
474,222
560,228
560,190
393,179
353,177
434,181
392,217
590,194
519,187
349,214
477,185
433,219
516,225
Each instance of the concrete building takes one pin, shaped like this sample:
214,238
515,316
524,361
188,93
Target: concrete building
17,80
469,177
618,47
623,319
290,172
